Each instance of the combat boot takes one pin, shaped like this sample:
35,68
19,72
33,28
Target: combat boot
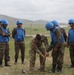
59,70
53,69
0,63
23,61
71,66
15,61
6,64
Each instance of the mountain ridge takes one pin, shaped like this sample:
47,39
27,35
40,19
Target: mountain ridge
13,20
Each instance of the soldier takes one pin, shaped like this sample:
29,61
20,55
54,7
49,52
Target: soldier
56,24
5,39
58,47
1,44
71,41
18,35
36,46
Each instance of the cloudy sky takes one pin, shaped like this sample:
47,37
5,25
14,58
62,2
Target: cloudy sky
61,10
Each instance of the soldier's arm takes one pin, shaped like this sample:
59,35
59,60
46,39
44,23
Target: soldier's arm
45,41
64,33
8,34
34,46
50,47
59,36
24,32
39,52
68,40
14,32
1,32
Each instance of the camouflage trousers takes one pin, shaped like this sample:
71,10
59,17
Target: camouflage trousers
32,53
72,53
20,46
4,51
57,56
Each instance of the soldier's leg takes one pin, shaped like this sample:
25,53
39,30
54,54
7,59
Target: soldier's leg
17,47
42,60
60,58
72,55
1,53
1,56
6,54
54,60
22,52
32,59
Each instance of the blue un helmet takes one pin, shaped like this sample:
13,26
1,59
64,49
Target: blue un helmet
49,26
71,21
4,22
19,22
55,23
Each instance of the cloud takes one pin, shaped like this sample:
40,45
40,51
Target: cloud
61,10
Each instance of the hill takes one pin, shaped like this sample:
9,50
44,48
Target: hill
12,21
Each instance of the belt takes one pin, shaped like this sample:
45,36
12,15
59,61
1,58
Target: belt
71,43
19,41
1,42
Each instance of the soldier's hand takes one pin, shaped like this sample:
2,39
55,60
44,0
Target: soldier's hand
43,56
55,49
47,54
3,34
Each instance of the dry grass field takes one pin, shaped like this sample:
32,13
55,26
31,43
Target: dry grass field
17,69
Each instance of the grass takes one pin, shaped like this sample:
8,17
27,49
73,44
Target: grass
17,69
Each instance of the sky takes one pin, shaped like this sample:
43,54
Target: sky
60,10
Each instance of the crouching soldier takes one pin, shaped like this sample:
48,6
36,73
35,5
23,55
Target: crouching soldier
37,46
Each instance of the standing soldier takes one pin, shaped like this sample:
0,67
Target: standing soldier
71,41
5,39
36,46
58,47
18,35
1,44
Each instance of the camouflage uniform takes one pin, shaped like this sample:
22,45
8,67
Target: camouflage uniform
38,47
57,55
64,33
65,37
71,47
19,45
4,48
1,49
6,45
72,53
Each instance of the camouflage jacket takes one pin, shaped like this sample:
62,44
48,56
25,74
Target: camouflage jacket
59,33
37,44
